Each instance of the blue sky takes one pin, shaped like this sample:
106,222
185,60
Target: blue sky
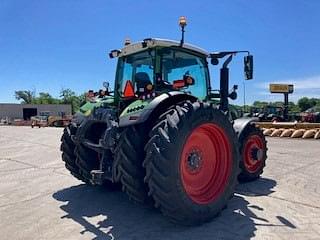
48,45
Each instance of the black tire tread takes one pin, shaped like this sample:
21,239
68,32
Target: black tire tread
85,161
129,155
67,147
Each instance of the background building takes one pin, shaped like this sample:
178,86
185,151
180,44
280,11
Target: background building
25,111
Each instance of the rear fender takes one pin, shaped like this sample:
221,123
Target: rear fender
87,108
241,123
143,110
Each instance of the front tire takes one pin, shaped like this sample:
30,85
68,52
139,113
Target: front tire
253,150
192,163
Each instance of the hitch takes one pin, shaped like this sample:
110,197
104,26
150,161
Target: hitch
97,177
105,169
257,154
102,146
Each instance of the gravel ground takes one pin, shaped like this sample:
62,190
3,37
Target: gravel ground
39,199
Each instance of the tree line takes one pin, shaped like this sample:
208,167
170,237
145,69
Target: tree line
302,105
66,96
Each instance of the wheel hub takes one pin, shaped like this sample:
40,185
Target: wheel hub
253,153
194,160
256,154
205,163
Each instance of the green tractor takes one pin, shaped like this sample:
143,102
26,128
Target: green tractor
163,135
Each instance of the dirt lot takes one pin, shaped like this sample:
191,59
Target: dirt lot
40,200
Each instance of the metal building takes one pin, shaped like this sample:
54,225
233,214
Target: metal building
26,111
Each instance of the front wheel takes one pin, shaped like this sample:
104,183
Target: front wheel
192,163
253,150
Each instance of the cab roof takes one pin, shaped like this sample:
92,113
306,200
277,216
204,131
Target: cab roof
157,42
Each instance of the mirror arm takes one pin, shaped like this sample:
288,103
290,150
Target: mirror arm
227,61
223,54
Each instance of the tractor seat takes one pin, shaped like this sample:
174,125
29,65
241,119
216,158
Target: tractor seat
142,80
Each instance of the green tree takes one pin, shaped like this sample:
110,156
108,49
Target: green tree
69,97
259,104
26,96
314,101
306,103
46,98
293,107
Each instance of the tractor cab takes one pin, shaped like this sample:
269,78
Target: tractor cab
153,66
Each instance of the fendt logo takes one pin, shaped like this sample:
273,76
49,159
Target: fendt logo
134,109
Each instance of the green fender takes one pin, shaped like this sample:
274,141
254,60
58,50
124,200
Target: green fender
87,108
141,110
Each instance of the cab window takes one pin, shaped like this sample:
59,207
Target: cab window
178,64
134,68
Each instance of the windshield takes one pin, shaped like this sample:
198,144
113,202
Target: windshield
134,68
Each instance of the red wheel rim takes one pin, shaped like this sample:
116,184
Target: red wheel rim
206,163
253,143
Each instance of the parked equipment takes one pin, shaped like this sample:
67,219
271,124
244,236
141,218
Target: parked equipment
44,119
268,113
311,115
59,121
164,135
39,121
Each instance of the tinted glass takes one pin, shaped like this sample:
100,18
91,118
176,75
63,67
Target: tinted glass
176,64
133,64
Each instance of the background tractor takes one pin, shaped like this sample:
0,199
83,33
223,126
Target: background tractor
311,115
164,135
268,113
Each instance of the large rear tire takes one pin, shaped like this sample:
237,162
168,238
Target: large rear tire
253,150
87,160
129,156
67,147
192,163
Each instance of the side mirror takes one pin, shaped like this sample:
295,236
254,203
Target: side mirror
107,89
106,85
248,67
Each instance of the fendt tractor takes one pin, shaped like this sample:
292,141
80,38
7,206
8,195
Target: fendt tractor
164,135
